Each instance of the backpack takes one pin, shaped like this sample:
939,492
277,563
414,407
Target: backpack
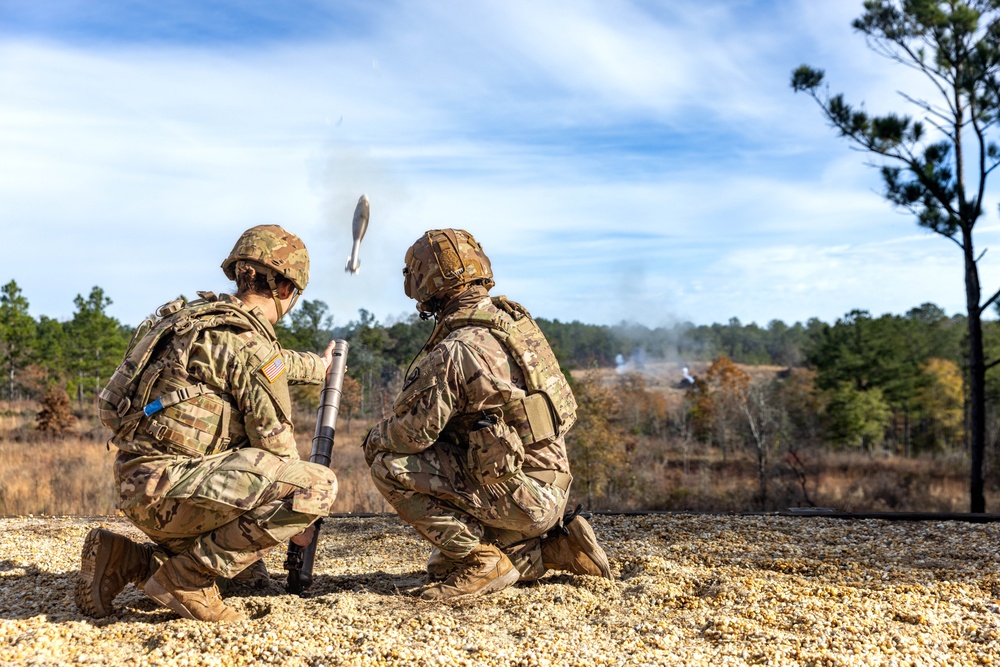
126,397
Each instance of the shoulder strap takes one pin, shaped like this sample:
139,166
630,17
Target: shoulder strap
499,322
125,397
512,325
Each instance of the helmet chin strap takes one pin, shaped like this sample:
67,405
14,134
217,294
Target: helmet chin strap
274,294
295,299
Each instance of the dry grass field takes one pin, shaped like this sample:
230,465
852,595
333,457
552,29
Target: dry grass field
72,475
672,472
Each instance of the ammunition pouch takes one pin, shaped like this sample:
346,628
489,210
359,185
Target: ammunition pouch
531,418
199,427
495,451
560,480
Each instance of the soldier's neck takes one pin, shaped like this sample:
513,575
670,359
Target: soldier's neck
467,298
264,303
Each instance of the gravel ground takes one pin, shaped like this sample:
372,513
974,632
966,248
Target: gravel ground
689,590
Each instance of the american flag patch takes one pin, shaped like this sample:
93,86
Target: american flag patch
273,369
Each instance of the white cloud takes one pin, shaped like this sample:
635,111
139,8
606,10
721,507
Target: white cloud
618,160
787,282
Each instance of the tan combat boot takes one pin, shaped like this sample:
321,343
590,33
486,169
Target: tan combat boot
574,548
253,576
440,566
182,585
484,570
108,563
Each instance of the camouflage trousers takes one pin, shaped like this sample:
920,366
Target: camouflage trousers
433,492
224,510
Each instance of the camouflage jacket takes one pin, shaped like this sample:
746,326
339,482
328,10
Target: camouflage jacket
248,373
449,386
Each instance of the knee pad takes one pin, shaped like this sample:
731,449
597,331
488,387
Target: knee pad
316,487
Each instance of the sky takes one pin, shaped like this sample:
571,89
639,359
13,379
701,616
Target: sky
618,160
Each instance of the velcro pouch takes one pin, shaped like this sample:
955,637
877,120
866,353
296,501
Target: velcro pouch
495,451
317,487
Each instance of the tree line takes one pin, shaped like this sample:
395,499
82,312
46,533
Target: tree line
878,376
79,354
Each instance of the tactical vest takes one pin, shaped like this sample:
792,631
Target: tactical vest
151,392
549,409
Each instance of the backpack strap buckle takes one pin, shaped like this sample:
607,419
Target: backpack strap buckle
183,325
123,406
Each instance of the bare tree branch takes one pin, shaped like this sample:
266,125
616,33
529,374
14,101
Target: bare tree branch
992,299
926,106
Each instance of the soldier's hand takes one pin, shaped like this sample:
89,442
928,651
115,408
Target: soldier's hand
327,355
305,537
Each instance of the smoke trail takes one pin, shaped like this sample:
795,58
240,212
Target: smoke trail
344,172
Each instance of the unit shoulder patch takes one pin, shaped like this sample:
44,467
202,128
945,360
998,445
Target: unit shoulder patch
414,376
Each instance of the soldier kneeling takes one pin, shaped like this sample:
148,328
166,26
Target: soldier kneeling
207,465
474,455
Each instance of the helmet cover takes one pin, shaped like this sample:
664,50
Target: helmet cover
442,260
273,248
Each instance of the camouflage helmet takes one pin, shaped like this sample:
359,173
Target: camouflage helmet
442,260
273,248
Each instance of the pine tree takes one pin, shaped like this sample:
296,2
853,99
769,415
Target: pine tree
938,174
95,342
17,333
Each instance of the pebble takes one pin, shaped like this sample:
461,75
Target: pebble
689,590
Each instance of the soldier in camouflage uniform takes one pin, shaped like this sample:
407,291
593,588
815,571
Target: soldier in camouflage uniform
474,456
207,464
